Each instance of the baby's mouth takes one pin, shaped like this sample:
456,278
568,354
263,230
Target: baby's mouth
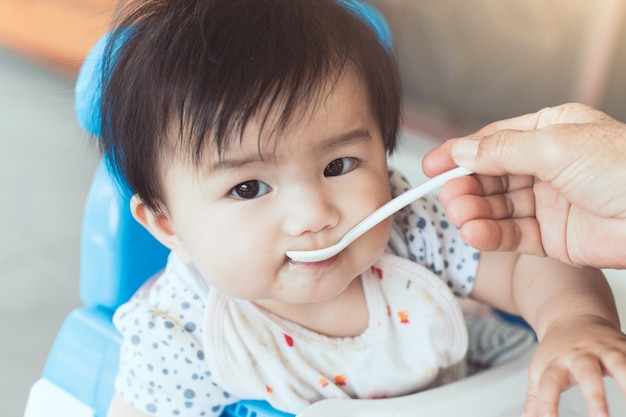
313,265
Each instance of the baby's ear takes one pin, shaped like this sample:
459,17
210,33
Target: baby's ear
160,226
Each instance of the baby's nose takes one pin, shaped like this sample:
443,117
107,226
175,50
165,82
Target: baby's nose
310,212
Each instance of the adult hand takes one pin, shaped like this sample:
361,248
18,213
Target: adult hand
553,183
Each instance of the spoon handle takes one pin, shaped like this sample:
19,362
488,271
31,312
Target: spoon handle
377,216
402,201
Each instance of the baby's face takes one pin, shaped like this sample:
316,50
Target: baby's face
324,173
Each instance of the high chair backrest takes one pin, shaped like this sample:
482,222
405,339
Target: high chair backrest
117,254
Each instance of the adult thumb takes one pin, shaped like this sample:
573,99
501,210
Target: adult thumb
503,152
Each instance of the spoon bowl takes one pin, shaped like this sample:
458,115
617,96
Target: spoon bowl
378,216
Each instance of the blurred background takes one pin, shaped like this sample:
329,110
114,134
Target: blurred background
463,63
468,62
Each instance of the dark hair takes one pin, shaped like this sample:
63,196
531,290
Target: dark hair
206,67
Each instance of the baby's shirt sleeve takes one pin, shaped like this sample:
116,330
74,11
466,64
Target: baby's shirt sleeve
162,370
422,233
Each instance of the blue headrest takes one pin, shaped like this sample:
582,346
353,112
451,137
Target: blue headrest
88,83
371,15
88,88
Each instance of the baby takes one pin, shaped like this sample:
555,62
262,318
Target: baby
247,128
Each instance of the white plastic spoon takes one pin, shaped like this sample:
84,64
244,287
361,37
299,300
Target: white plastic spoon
377,216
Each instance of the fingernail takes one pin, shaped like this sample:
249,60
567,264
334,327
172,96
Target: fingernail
465,149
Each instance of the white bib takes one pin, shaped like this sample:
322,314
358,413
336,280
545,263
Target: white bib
415,331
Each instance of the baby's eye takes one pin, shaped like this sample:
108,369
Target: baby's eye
250,189
340,166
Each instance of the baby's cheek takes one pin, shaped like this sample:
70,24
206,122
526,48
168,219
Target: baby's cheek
237,272
379,238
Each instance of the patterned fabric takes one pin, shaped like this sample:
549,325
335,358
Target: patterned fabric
422,233
162,367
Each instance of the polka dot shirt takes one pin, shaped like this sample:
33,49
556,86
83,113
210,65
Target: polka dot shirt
162,370
422,233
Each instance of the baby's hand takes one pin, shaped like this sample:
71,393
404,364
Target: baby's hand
579,350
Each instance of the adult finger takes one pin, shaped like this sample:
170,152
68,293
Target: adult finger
506,152
438,160
483,185
514,204
462,151
554,222
512,235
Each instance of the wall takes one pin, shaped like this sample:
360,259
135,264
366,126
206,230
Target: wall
56,32
471,62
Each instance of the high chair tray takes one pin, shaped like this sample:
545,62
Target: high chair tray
498,392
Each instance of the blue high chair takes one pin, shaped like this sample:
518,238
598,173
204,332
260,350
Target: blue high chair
117,257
